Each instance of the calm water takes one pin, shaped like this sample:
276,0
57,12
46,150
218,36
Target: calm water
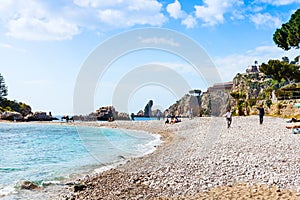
41,152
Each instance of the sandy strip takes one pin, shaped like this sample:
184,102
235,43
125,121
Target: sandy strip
202,159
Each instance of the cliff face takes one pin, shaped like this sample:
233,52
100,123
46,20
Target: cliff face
243,96
216,102
240,96
186,103
253,85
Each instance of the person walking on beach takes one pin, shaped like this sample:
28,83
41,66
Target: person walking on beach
228,118
261,114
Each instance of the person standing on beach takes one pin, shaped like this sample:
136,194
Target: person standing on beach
261,114
228,118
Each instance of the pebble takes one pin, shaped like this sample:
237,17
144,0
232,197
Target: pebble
199,156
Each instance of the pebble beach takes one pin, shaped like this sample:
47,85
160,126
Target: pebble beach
202,159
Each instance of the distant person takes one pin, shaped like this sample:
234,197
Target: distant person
191,114
261,113
228,116
158,115
177,120
167,121
188,113
132,116
293,120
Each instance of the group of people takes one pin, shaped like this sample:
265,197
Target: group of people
261,113
174,119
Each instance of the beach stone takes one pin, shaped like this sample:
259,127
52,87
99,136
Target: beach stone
79,187
28,185
234,166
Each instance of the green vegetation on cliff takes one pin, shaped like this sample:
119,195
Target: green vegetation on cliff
8,105
279,70
3,88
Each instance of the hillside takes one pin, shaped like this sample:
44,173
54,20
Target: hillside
243,95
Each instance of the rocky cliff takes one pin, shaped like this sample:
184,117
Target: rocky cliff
215,102
246,91
250,90
253,85
183,105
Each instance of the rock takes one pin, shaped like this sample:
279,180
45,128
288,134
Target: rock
11,116
186,103
79,187
28,185
147,110
39,116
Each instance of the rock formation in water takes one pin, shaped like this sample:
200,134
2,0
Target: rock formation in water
147,110
39,116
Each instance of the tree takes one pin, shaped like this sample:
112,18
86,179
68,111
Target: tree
3,88
288,35
285,59
281,70
240,97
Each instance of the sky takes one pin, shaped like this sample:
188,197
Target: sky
45,47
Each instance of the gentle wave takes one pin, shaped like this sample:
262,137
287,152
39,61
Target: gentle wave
49,154
8,169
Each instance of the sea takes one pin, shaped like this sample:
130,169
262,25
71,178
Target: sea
53,153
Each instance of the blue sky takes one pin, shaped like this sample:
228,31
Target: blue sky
44,44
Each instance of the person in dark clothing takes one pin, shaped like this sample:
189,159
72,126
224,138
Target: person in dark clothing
228,116
293,120
132,116
261,113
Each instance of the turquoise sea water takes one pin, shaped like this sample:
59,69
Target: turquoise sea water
43,152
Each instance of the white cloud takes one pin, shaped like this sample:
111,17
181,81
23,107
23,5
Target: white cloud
265,20
161,40
31,28
31,20
237,14
97,3
189,22
174,10
230,65
125,13
212,12
279,2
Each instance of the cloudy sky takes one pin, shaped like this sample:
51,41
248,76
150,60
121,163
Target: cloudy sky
44,44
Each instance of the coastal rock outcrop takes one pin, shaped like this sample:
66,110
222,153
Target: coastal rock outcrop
241,95
109,112
105,113
9,115
183,105
39,116
254,85
147,110
215,102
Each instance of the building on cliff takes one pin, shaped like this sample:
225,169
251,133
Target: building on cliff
220,86
253,69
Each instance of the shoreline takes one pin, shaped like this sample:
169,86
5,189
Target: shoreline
246,157
9,190
179,169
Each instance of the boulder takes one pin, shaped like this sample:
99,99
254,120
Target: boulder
12,116
39,116
79,187
28,185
